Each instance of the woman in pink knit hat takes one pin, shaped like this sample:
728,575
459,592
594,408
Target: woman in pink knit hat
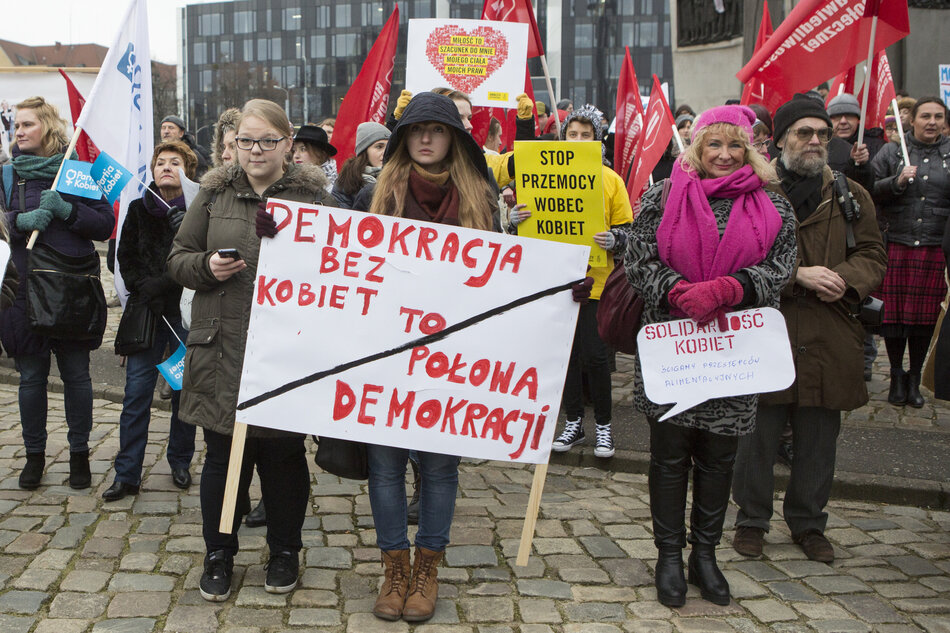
716,242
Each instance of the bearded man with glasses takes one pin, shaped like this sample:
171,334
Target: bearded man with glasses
840,261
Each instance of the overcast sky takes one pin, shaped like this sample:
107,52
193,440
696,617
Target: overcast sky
37,22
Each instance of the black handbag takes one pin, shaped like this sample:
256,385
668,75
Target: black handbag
343,458
136,331
64,295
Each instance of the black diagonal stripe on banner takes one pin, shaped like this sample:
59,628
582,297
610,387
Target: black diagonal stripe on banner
425,340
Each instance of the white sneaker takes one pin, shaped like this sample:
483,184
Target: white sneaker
604,446
572,434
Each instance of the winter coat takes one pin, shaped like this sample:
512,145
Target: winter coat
222,216
839,159
827,341
652,279
202,154
917,214
143,249
90,220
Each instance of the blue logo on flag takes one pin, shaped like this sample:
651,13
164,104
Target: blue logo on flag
75,179
173,369
110,176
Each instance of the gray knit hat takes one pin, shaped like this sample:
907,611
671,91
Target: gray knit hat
368,133
844,104
177,120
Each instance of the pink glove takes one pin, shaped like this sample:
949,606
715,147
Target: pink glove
704,301
674,295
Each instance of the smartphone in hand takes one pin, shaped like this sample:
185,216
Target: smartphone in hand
229,253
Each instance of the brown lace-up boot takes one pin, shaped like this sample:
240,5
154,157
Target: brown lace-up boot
424,588
392,595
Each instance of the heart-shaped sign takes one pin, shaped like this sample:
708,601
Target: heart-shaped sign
466,58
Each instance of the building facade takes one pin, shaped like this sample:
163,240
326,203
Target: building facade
306,54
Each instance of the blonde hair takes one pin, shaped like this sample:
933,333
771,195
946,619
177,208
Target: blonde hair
476,201
53,126
451,93
692,156
269,112
227,122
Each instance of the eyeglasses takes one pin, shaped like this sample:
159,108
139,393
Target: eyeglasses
266,144
804,134
762,144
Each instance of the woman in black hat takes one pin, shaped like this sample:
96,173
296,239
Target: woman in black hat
312,147
433,171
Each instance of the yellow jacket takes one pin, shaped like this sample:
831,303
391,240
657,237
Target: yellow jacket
617,211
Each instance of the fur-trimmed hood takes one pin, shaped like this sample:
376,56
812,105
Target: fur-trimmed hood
307,178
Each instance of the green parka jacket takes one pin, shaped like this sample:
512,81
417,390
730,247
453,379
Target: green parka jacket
223,216
827,341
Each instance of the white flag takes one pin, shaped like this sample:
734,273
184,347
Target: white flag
118,112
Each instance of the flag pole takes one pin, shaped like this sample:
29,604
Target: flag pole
900,133
69,152
679,139
547,80
867,77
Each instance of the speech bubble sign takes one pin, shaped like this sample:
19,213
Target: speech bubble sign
687,364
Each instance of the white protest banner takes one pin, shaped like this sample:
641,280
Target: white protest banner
412,334
118,111
686,363
484,59
944,70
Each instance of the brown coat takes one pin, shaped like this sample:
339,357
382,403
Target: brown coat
222,216
827,341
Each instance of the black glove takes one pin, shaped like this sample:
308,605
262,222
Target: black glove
580,291
151,287
175,216
265,225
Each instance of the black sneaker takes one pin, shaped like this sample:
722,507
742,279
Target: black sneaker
215,584
604,444
572,434
282,571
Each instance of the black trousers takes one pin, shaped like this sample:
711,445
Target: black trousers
589,355
673,451
285,488
814,445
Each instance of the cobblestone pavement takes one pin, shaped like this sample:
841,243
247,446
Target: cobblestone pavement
70,563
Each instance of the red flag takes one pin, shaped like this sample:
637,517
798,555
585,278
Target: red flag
86,149
843,82
754,90
516,11
657,133
629,116
368,97
880,91
818,39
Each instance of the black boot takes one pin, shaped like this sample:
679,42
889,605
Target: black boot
33,471
669,478
914,398
898,391
713,457
79,475
413,509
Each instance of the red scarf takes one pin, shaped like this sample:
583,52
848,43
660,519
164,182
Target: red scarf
429,201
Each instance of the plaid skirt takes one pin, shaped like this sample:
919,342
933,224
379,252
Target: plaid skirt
913,285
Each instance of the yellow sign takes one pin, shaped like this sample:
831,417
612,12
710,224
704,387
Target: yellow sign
563,185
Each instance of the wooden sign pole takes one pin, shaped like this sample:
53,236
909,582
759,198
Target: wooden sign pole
234,477
531,518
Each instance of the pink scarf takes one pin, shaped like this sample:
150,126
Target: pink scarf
688,237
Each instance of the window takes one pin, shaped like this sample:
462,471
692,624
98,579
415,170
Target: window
210,24
343,14
226,51
263,54
205,81
584,35
275,49
656,64
318,46
627,36
248,50
344,44
422,9
199,53
291,19
290,75
647,34
319,75
628,7
245,21
372,14
583,68
323,17
646,7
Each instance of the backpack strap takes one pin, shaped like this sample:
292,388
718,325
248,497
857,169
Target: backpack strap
8,178
850,208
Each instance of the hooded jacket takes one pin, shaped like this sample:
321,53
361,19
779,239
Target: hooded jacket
222,216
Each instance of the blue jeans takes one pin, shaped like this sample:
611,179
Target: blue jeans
77,395
387,497
140,377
